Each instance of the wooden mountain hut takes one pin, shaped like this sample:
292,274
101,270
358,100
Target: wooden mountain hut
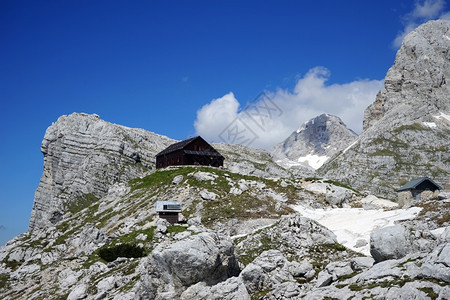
193,151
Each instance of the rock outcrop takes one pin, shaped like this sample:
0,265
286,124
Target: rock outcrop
207,257
250,161
406,129
314,142
83,156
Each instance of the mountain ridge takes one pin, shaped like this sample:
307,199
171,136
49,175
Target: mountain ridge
406,129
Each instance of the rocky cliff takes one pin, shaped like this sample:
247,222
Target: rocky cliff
83,156
407,128
314,142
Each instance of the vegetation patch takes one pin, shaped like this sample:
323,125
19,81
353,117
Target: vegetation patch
3,280
242,207
412,127
444,219
406,261
110,254
429,291
129,239
323,248
436,211
312,179
387,284
81,203
337,183
256,244
384,152
165,176
12,264
175,229
260,294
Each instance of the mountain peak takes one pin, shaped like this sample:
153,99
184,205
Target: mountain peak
314,142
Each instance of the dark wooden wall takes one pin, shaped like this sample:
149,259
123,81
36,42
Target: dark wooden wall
178,157
171,217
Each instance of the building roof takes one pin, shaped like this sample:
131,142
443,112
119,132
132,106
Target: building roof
181,145
168,206
415,182
177,146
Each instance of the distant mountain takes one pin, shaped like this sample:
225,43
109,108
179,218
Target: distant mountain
314,142
407,129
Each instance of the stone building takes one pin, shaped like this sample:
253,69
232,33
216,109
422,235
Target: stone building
422,188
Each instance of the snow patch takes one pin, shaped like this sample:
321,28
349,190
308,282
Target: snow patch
315,161
429,124
354,224
443,116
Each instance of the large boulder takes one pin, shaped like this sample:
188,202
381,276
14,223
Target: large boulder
338,195
395,242
207,257
391,242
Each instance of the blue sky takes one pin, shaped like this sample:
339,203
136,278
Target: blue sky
181,68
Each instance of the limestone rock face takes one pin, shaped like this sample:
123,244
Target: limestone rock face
250,161
406,129
259,275
314,142
389,243
207,257
83,156
394,242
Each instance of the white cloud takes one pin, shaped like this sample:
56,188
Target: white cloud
276,115
216,115
423,11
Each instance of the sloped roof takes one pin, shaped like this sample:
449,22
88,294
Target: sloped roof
181,145
415,182
177,146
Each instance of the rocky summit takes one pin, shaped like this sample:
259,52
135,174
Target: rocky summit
83,155
407,128
314,143
252,229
